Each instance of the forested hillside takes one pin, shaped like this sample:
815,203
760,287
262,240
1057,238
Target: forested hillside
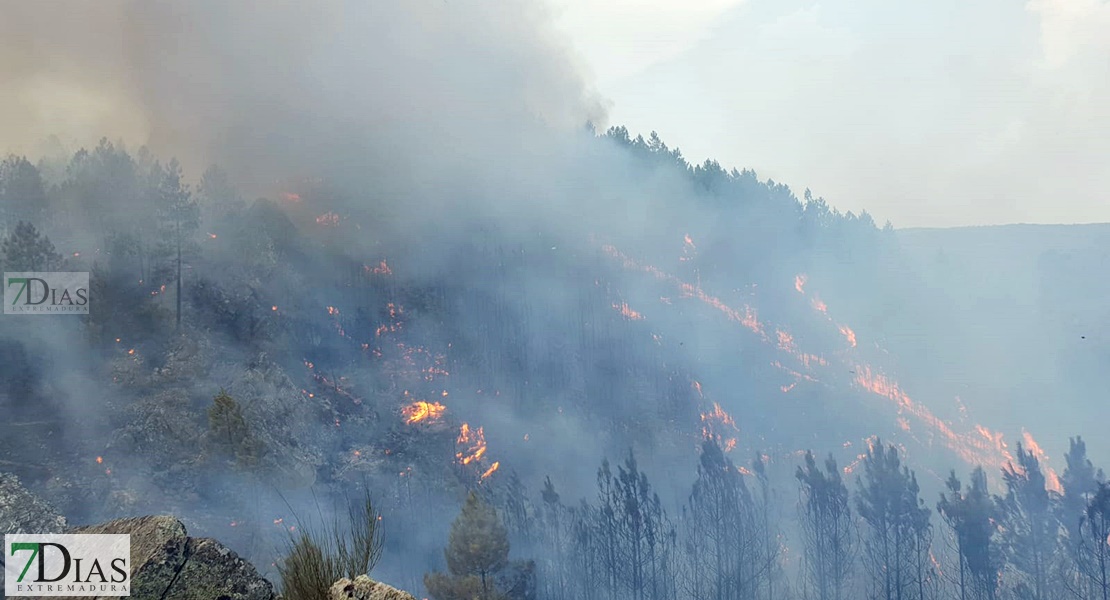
727,352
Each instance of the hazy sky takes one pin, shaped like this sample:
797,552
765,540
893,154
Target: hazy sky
926,113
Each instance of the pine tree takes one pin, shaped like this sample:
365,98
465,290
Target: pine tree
229,432
897,534
553,526
25,249
22,193
1080,482
1093,545
179,217
724,532
477,550
827,528
1029,524
217,196
971,516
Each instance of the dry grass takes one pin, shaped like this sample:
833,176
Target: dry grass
318,557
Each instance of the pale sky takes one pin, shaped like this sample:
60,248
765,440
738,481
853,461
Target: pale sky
936,113
930,113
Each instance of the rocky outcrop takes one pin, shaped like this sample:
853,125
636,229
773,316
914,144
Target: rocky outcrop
364,588
24,512
168,564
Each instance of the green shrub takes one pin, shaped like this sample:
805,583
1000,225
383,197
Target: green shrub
229,432
318,557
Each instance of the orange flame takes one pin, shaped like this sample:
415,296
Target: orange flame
381,269
291,197
972,449
627,312
786,341
100,460
1052,480
746,317
689,250
719,415
423,411
491,470
716,421
473,443
848,334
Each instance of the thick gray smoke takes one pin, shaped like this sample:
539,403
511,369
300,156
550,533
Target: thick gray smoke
293,89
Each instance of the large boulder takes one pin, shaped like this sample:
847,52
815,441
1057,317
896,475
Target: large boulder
24,512
168,564
364,588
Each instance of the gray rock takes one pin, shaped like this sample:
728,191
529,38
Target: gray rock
167,564
364,588
24,512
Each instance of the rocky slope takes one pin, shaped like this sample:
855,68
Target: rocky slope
167,563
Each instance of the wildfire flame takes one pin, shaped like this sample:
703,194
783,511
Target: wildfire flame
491,470
1052,480
978,446
786,341
746,317
848,335
786,344
473,443
718,415
627,312
381,269
988,448
689,250
421,411
714,422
